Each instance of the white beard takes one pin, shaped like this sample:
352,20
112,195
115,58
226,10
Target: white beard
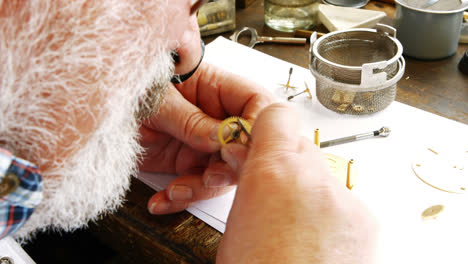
107,49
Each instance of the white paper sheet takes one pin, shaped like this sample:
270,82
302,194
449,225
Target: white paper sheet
386,181
10,249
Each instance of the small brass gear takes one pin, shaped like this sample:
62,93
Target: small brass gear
239,131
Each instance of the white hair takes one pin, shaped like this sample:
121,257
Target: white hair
76,72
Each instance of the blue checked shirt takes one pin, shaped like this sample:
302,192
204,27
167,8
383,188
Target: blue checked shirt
17,205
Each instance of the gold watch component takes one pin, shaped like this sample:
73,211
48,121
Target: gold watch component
432,212
234,129
343,169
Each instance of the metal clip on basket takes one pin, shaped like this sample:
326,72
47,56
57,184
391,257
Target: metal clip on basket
357,69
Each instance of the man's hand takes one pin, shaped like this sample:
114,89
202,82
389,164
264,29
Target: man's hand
288,208
182,137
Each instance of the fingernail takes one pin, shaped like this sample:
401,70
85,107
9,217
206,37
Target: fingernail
159,207
217,180
226,133
180,193
229,158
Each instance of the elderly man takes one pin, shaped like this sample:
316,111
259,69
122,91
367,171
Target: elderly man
86,96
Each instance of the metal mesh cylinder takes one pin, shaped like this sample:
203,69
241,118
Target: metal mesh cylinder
356,70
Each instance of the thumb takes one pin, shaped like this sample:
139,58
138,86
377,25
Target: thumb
234,155
276,129
186,122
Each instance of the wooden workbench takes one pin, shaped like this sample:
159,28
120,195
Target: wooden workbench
135,236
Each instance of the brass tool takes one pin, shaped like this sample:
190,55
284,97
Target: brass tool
255,38
383,132
307,90
317,137
343,169
289,79
244,128
339,167
349,175
301,33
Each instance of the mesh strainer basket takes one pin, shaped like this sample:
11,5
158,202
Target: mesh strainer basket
357,69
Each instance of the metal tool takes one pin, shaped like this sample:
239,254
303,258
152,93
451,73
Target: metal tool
383,132
255,38
243,128
287,85
307,90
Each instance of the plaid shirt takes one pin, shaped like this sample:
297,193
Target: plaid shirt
18,205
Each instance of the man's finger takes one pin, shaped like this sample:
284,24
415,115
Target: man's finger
160,204
184,191
186,122
220,93
235,155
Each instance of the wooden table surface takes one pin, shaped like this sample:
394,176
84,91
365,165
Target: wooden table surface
435,86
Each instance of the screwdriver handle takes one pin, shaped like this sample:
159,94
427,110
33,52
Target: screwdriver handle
383,132
338,141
